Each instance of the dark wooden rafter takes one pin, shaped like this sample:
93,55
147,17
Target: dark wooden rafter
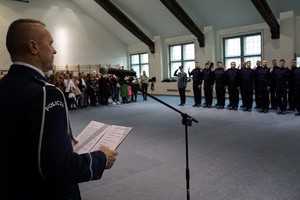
184,18
265,11
116,13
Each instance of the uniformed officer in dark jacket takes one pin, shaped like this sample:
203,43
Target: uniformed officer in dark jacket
197,75
273,99
263,80
246,77
291,86
256,84
281,81
297,90
37,158
232,75
220,85
209,80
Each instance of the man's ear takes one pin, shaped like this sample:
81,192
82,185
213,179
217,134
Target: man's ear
33,47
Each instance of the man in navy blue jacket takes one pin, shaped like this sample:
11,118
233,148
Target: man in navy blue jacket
37,157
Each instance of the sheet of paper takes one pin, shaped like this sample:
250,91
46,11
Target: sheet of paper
113,137
97,134
90,136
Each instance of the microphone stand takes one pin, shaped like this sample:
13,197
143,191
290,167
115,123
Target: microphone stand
186,121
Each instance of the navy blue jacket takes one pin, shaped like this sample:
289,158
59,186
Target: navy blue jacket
208,77
281,76
220,76
232,75
197,75
263,77
37,158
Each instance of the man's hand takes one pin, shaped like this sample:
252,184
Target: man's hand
110,156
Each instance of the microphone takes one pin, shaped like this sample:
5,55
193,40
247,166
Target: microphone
117,72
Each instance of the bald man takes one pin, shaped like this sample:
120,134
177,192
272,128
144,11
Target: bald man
37,157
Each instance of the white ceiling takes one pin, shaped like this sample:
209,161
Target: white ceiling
154,19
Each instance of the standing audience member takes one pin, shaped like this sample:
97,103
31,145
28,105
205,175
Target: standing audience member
67,88
72,100
93,89
105,90
83,99
136,85
49,169
145,84
181,84
124,90
197,82
116,89
70,90
77,91
58,81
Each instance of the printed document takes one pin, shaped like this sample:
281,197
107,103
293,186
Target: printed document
97,134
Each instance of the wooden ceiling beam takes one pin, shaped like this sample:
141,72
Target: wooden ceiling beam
265,11
116,13
184,18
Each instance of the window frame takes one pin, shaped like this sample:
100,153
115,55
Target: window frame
180,61
140,63
242,55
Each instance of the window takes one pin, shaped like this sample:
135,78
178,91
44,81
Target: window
242,48
139,63
298,60
181,55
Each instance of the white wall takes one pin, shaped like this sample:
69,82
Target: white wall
78,38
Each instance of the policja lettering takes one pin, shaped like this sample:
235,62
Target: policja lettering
53,104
